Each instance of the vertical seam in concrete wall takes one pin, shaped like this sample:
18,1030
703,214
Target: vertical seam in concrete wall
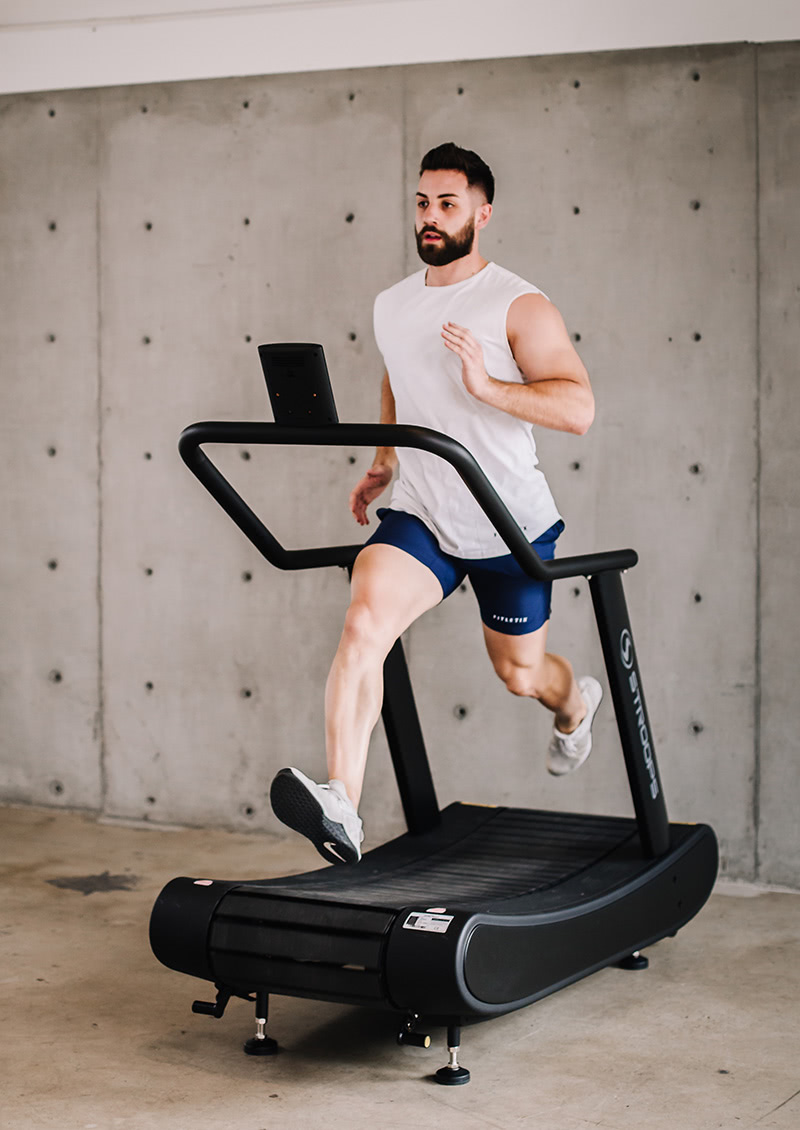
99,304
406,188
408,641
757,656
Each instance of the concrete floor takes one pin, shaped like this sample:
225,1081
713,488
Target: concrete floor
96,1034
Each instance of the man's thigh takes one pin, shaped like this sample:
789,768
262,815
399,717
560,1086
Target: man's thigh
395,587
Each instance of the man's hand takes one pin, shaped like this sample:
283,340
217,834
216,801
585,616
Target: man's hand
374,483
462,343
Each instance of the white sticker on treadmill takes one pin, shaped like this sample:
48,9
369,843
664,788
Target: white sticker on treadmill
432,923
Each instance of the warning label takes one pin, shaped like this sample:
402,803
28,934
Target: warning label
432,923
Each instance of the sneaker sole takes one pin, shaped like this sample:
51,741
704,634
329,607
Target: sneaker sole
295,807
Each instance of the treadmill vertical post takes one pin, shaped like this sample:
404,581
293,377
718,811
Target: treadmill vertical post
407,746
627,693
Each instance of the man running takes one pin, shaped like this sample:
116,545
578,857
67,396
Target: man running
480,354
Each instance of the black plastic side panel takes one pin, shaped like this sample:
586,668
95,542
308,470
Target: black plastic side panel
487,964
504,964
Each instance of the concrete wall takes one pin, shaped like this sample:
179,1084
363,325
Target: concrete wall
69,44
776,776
649,193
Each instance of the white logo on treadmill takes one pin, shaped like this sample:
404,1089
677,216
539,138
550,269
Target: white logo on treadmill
332,849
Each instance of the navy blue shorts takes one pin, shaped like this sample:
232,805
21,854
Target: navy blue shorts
510,601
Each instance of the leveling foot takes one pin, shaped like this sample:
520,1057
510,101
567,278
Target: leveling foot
634,960
261,1043
452,1074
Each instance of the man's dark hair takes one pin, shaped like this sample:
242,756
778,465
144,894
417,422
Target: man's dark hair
452,156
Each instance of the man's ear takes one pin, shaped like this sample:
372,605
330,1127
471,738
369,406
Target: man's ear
482,216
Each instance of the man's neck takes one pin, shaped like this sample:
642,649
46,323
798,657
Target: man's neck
456,271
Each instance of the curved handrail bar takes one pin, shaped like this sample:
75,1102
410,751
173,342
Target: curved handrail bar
369,435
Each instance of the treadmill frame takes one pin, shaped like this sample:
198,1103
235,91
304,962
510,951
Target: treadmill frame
603,570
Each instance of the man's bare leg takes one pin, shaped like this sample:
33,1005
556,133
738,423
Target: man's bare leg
528,669
390,589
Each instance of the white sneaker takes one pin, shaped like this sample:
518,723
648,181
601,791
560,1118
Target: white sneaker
567,752
323,813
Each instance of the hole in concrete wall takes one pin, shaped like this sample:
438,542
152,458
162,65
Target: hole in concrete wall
696,76
150,799
144,109
462,588
51,338
55,676
697,598
247,576
56,788
52,225
576,337
246,692
51,451
146,340
148,572
351,96
245,455
246,105
352,335
576,210
698,337
246,221
697,727
576,83
695,468
148,455
148,226
695,205
575,466
248,338
349,218
52,563
460,712
248,811
461,90
148,686
576,592
51,113
351,459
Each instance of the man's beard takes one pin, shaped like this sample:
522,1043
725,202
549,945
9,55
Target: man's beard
450,248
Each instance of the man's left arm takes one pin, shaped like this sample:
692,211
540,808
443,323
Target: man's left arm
556,392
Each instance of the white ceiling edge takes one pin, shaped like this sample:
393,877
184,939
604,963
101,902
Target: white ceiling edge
136,42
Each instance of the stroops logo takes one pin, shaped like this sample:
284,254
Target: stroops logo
626,655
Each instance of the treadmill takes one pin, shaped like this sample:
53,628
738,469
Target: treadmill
476,910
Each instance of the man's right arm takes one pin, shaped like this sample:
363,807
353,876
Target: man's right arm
380,473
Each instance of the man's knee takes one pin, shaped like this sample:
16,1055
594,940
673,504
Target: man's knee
365,630
520,679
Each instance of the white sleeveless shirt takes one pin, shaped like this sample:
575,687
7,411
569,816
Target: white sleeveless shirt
428,390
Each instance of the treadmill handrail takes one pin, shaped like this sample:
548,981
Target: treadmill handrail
368,435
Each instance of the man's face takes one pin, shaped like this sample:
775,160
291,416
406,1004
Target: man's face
446,215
